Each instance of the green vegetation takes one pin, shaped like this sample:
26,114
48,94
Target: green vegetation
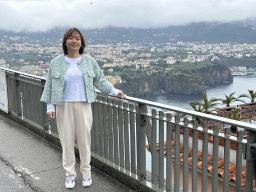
236,114
252,95
167,78
205,106
184,71
232,113
197,106
188,70
229,99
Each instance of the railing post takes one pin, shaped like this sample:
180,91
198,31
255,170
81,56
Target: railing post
226,160
17,94
250,160
141,141
45,121
177,154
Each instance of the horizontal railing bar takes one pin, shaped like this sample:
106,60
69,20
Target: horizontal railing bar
210,132
221,135
24,74
191,113
26,81
210,175
194,113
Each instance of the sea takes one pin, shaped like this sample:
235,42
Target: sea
240,85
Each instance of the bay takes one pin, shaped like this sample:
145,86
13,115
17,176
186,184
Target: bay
240,85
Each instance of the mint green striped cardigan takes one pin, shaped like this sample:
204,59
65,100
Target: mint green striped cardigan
93,77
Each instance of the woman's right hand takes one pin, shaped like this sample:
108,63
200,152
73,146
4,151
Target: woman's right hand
51,115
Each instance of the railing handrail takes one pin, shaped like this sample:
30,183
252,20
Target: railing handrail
194,113
25,74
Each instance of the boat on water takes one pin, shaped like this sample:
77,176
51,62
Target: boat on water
239,73
251,73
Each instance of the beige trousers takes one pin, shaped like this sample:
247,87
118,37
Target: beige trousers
74,120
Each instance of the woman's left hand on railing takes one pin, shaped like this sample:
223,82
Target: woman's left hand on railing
120,94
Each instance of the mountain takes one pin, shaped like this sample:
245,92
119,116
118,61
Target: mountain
210,32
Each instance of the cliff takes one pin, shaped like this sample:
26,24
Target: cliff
140,86
189,84
216,74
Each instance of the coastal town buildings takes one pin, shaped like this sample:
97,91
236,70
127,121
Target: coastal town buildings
31,54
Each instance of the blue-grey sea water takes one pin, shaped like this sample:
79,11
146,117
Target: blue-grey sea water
240,85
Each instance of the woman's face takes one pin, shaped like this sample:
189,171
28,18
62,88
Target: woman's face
73,43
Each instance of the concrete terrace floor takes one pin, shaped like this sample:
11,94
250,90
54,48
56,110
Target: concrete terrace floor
30,163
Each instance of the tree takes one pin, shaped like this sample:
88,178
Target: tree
203,107
229,99
196,106
252,95
207,104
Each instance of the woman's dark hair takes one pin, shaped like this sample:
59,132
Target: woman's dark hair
67,35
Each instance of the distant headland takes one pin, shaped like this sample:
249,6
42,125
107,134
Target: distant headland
180,78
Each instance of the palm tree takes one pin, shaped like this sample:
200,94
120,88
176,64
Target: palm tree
196,106
205,106
229,99
252,95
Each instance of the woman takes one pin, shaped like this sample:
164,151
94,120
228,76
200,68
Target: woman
70,85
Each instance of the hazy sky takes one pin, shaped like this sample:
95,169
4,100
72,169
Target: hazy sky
42,15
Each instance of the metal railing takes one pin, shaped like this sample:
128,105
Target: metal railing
122,128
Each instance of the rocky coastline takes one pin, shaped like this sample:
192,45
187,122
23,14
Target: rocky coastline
138,87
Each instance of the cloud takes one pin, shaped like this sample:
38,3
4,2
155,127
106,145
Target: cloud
32,15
